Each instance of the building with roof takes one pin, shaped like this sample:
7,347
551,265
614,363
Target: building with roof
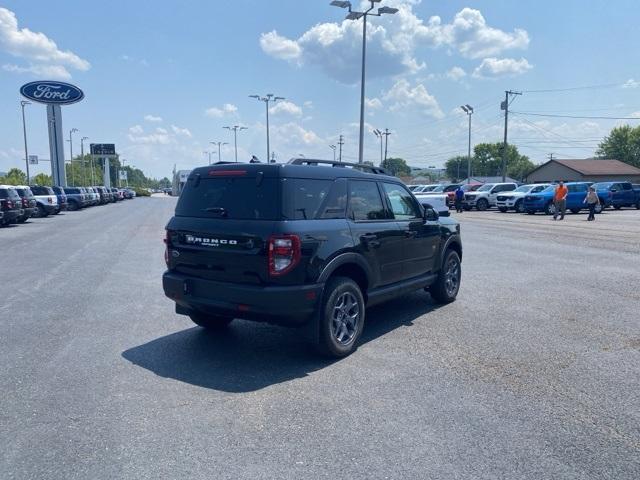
489,180
587,170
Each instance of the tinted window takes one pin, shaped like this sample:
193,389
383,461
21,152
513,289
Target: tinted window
303,197
537,189
237,198
402,203
9,193
626,186
577,188
335,205
365,202
72,190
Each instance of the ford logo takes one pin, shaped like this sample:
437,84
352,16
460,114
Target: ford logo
59,93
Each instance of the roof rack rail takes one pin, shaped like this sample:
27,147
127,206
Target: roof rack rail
337,164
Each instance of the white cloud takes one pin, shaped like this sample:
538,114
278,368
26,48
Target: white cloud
162,131
497,67
286,107
226,109
44,56
293,134
631,83
181,131
392,42
373,103
308,104
456,73
47,71
635,114
136,130
152,118
403,95
280,47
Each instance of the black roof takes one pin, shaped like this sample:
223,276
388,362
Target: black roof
299,168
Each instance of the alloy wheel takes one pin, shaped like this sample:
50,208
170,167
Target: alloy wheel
346,316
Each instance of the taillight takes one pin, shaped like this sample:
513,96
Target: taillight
49,199
284,254
167,242
25,202
9,204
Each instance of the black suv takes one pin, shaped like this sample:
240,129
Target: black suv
309,242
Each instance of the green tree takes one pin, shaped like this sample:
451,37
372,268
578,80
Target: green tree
455,165
396,166
42,179
487,162
622,143
15,176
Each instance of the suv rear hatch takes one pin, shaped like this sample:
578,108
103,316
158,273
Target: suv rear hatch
222,224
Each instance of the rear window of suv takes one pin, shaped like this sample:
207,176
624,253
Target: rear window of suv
244,198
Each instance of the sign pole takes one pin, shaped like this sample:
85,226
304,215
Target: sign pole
56,146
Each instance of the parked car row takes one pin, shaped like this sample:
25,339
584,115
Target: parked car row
21,202
534,198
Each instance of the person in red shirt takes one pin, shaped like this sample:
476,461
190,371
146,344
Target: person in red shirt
560,200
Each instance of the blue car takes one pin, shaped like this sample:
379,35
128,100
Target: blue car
617,194
543,201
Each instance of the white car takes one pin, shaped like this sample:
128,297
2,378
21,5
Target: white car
437,202
418,189
515,200
46,199
486,196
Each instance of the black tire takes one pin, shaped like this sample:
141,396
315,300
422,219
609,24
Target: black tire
617,207
211,322
600,208
575,210
341,317
519,206
638,205
482,204
502,209
446,287
549,208
41,211
531,212
73,206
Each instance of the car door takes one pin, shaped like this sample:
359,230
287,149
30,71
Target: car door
627,195
575,196
421,239
376,235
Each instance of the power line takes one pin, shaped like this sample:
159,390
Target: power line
574,116
569,89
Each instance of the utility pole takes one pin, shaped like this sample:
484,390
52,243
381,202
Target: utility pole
24,131
468,109
73,175
550,155
386,134
235,129
505,107
333,147
273,157
340,143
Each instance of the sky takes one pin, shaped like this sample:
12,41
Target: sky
162,78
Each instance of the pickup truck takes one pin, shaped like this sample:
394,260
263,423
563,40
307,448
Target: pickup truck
617,194
76,198
440,203
46,199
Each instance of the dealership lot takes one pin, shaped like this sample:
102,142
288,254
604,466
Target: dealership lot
532,373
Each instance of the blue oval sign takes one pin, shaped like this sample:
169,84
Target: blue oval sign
59,93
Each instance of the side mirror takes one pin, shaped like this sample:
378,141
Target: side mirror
430,215
613,190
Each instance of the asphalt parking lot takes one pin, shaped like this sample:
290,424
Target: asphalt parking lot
532,373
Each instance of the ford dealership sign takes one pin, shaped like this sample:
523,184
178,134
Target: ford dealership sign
52,92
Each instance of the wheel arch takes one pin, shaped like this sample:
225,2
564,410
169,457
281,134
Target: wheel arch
349,265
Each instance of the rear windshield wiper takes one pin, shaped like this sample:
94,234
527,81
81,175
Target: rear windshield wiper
219,210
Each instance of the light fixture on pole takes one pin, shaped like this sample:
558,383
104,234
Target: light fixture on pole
468,109
73,175
219,144
235,129
208,152
24,131
380,135
82,139
269,97
333,147
356,16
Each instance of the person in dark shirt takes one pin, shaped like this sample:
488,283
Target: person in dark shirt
459,198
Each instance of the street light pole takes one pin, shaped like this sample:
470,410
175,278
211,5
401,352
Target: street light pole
333,147
380,135
219,144
24,131
269,97
82,139
468,109
73,175
235,129
356,16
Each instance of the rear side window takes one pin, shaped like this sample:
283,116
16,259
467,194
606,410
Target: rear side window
365,202
303,198
245,198
9,193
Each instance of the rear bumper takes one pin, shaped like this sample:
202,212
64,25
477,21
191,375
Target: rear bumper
29,212
11,215
282,305
49,208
